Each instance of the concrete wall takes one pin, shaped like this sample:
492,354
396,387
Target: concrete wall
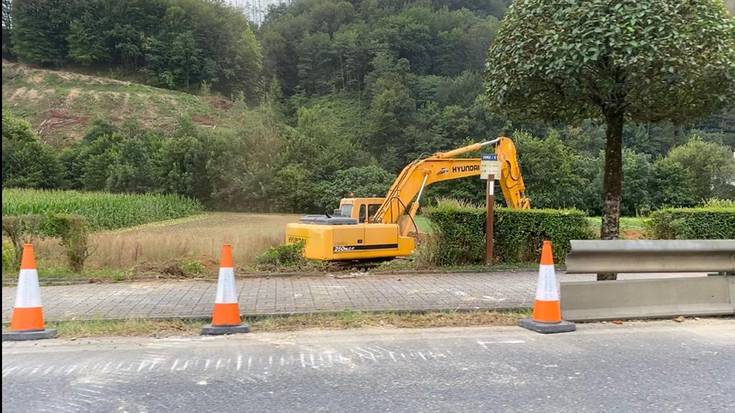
648,298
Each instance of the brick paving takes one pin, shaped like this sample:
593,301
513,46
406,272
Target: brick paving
289,295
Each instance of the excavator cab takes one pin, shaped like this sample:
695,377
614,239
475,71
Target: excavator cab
384,228
360,209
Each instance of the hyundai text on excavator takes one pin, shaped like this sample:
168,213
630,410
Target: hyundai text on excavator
384,228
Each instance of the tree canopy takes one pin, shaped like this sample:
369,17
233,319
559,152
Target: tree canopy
620,61
175,44
652,61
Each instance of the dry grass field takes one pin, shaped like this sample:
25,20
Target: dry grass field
197,238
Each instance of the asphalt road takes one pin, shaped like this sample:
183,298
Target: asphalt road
657,366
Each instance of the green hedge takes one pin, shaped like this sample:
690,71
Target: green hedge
519,234
693,223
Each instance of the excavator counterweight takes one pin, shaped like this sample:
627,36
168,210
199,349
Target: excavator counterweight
384,228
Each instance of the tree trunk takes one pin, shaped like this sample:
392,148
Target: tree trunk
612,182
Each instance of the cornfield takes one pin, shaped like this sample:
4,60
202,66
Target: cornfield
102,210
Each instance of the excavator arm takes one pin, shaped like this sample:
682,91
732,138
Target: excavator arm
444,166
511,179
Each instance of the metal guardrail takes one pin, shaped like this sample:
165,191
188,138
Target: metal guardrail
626,256
647,298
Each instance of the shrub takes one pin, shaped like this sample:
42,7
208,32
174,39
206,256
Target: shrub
459,233
71,229
74,233
519,234
102,210
192,267
709,222
21,230
9,260
280,256
27,162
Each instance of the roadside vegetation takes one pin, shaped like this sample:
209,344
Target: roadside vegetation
336,321
101,210
180,248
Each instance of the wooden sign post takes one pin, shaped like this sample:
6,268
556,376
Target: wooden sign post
490,220
489,169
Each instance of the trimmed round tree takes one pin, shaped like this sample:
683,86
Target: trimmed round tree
617,60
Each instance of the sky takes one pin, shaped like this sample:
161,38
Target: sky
256,9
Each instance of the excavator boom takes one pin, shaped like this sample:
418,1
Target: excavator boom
444,166
358,233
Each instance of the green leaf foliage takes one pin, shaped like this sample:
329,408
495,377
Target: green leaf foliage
653,60
709,168
101,210
518,234
711,222
73,230
27,162
176,44
282,256
366,181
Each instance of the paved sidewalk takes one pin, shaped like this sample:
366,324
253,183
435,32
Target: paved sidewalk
288,295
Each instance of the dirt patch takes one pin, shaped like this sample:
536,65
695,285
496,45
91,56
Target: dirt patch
218,102
633,234
56,119
25,94
71,96
297,322
126,102
37,77
203,120
89,79
18,93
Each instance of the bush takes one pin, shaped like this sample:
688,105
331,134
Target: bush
27,162
709,222
9,260
363,181
21,230
192,267
459,233
519,234
102,210
71,229
280,256
74,233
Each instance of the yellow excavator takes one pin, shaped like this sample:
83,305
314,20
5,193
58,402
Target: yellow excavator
384,228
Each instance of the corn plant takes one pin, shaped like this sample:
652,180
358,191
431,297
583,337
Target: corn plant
102,210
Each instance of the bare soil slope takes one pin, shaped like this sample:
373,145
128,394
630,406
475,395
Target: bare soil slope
60,105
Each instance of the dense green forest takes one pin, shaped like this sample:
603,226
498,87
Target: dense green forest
337,97
169,43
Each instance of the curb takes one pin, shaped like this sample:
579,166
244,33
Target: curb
335,274
289,314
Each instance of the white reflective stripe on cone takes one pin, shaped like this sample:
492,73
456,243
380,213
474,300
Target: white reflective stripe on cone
226,291
547,289
28,293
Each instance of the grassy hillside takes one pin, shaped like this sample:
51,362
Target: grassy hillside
60,105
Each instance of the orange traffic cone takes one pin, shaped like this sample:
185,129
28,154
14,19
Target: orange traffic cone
226,312
546,317
26,322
